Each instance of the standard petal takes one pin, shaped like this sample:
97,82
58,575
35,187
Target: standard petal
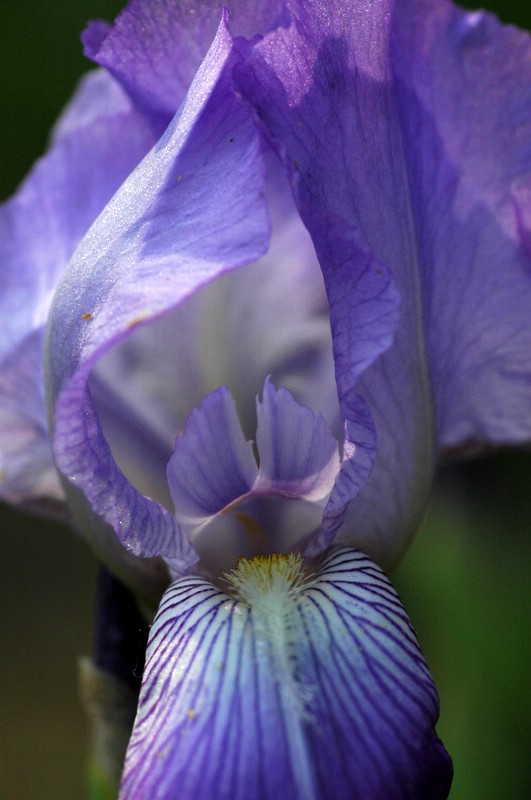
396,122
299,457
39,230
213,464
155,49
193,209
305,81
298,687
469,160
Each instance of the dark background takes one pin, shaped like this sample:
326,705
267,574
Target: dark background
465,581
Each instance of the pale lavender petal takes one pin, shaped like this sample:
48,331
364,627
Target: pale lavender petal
405,127
66,190
155,49
213,464
98,97
298,455
136,443
27,472
39,229
323,693
193,209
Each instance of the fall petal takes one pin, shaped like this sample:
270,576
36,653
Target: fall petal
318,693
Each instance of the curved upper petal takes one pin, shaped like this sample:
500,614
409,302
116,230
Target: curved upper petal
405,127
40,228
297,688
155,48
303,80
193,209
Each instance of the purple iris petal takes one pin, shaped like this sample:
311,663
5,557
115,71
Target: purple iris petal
230,507
315,690
298,456
468,159
213,464
300,85
270,317
213,469
405,127
27,472
193,209
155,49
39,229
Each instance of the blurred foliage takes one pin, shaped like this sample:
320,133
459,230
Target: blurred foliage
465,581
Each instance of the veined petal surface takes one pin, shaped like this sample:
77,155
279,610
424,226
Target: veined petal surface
467,161
40,228
193,209
405,127
315,690
303,81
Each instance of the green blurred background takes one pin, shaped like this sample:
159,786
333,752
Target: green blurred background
465,582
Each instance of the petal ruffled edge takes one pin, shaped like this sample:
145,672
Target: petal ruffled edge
40,227
155,49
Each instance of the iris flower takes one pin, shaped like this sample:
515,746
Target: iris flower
324,206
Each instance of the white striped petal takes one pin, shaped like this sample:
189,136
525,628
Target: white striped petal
288,687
